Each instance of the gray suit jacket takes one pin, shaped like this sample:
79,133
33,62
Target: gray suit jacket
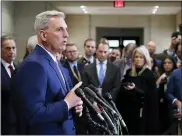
120,63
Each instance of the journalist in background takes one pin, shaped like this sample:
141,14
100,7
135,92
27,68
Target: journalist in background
102,73
41,97
174,93
137,100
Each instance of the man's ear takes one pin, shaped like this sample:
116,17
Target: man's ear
43,35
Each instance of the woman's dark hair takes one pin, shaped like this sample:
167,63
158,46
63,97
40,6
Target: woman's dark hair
154,70
171,58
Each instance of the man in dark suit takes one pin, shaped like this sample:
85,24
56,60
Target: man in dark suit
8,55
102,73
89,47
75,69
71,63
42,98
174,92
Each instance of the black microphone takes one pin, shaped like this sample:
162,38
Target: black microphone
92,123
109,121
109,98
96,90
81,94
94,95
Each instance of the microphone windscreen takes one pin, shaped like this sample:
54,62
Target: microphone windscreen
92,87
79,92
89,92
108,96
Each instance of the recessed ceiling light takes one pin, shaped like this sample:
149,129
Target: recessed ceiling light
156,7
83,9
82,6
154,10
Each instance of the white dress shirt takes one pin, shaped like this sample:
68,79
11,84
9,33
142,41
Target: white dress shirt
91,59
98,66
6,65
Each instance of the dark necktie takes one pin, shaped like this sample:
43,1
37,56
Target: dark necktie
86,62
11,69
89,62
75,70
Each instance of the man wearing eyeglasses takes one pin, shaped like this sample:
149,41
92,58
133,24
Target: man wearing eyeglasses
75,69
71,63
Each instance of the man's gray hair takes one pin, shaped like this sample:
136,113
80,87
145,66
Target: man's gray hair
42,20
32,41
6,37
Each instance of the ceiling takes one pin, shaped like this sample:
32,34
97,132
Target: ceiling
124,11
107,8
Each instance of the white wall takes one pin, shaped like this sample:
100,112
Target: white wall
78,29
178,20
157,28
25,13
7,17
161,29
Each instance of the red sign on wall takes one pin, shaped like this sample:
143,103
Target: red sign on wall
119,3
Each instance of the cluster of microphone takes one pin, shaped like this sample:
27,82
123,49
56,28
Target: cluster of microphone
104,108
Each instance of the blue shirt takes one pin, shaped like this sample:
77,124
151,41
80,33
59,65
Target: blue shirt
72,64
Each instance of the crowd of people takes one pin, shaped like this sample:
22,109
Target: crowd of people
38,94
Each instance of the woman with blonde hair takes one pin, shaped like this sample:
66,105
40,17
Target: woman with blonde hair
137,100
140,59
